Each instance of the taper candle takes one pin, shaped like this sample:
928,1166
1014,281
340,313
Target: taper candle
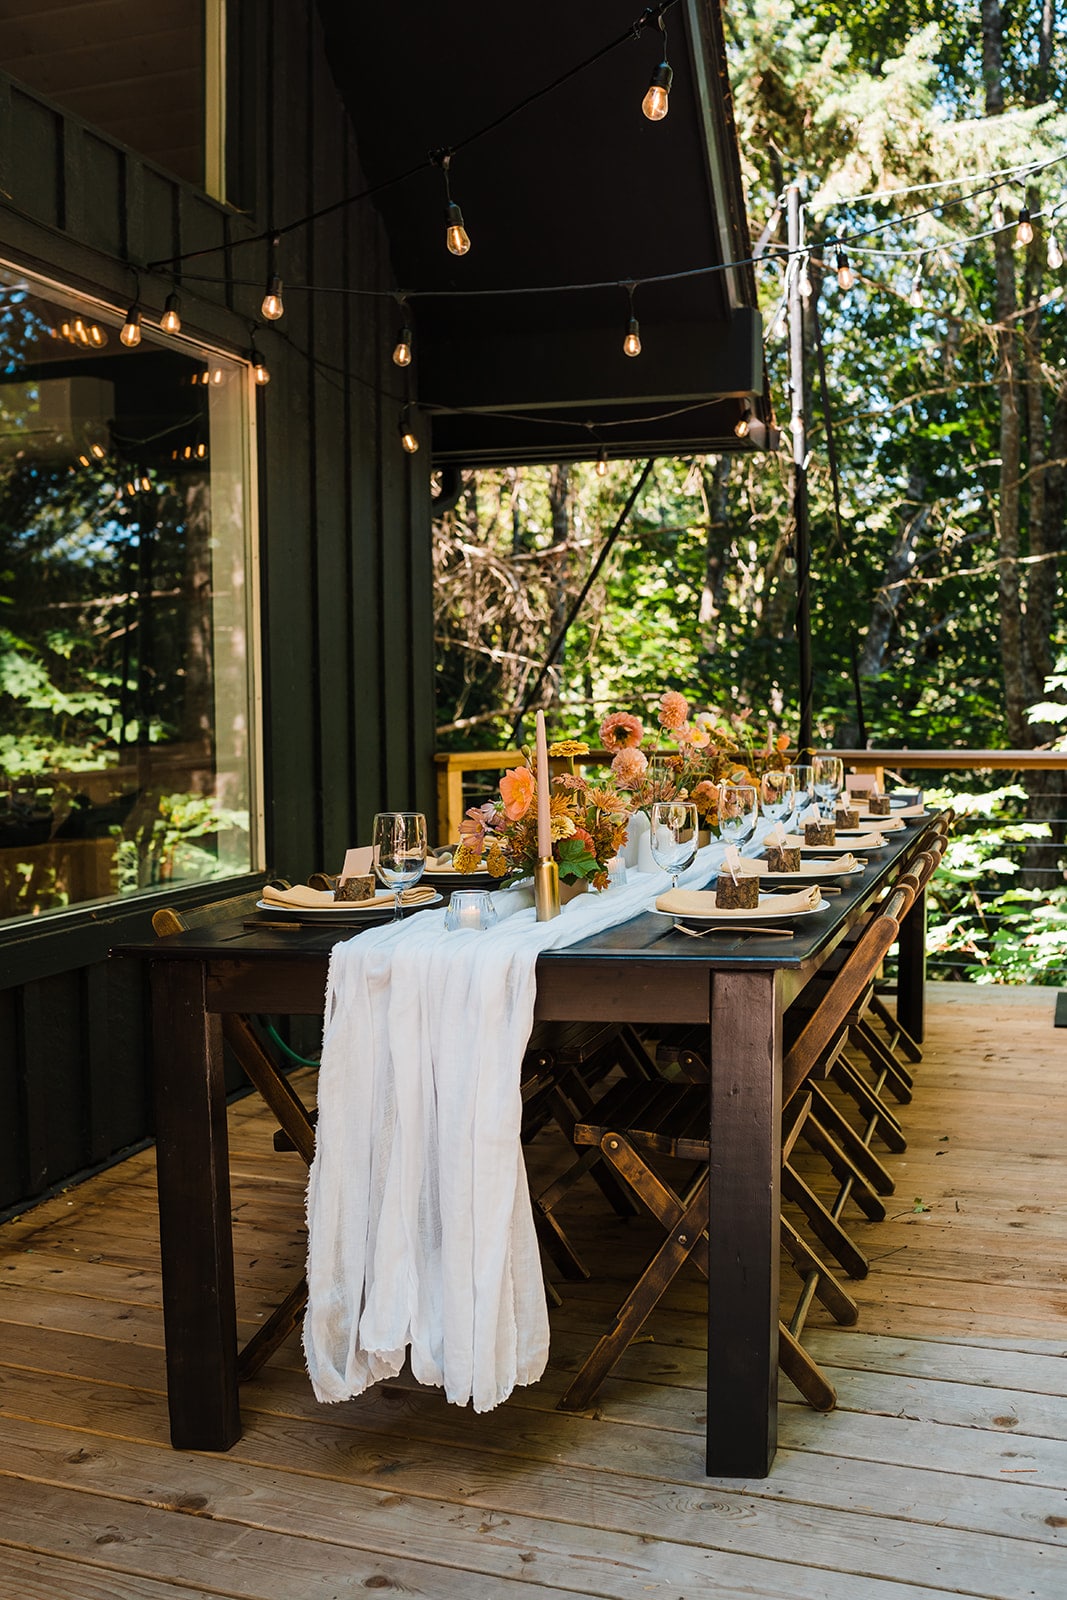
544,828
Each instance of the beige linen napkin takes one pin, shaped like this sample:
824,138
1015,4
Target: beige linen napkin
304,899
858,841
701,903
883,824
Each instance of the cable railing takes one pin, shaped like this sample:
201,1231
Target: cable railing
998,908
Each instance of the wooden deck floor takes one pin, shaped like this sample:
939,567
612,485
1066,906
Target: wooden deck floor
943,1470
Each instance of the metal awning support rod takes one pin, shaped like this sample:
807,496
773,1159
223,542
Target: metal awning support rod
557,643
802,532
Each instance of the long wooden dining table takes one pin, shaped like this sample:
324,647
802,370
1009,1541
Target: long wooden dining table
641,971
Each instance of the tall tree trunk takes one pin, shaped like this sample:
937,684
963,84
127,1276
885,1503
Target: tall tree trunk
1011,628
714,480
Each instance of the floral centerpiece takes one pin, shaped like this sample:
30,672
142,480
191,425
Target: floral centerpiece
709,748
587,821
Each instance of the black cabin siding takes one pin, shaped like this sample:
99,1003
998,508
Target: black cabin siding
344,544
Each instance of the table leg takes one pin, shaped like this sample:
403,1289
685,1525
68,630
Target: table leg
746,1143
196,1243
911,970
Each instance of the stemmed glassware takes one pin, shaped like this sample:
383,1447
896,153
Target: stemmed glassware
674,827
399,851
828,773
777,792
738,811
805,787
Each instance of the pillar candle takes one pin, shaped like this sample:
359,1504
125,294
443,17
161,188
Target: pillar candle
544,830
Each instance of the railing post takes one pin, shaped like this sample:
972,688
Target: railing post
449,798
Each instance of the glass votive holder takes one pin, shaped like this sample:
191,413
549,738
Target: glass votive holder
470,908
616,872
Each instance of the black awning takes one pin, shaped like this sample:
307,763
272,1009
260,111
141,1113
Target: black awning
578,188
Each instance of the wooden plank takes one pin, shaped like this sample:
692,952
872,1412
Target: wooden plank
739,1538
33,1575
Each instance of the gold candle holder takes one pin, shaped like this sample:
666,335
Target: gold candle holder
546,889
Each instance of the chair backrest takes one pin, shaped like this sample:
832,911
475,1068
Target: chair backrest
845,989
169,919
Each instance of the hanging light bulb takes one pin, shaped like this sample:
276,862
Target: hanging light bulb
845,275
408,439
656,104
602,464
1024,228
131,489
260,371
171,321
1055,254
97,336
272,307
98,451
131,328
402,348
741,426
146,484
456,236
806,289
631,345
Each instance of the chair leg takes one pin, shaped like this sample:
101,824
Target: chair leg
850,1141
886,1125
887,1069
274,1332
825,1286
824,1226
804,1372
641,1301
844,1170
899,1037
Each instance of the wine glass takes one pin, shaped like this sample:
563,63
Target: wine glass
828,775
777,792
738,811
805,789
399,851
673,836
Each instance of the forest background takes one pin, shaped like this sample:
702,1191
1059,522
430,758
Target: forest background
937,615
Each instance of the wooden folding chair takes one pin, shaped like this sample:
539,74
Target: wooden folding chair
640,1126
295,1121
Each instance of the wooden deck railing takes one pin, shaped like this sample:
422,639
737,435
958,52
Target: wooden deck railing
453,768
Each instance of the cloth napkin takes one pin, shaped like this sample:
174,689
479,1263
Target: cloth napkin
796,841
702,903
307,899
420,1232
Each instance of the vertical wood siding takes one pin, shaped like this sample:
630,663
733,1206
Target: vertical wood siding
344,536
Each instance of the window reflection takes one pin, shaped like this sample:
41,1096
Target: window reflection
125,754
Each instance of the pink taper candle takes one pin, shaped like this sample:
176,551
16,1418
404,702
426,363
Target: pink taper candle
544,830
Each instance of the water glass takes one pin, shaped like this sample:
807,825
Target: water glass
777,792
470,908
805,786
399,851
674,827
828,774
738,811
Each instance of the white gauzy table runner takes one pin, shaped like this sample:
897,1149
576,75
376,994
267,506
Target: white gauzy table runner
420,1230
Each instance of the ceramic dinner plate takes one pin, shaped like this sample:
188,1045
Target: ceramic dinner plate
342,910
851,841
448,873
764,912
813,869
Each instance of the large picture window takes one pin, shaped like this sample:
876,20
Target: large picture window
127,595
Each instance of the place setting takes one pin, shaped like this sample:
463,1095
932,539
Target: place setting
377,883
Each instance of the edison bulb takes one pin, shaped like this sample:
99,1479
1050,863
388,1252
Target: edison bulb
272,307
655,105
171,321
131,329
915,295
845,275
631,345
402,348
408,440
1024,233
1055,254
260,372
602,464
741,426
